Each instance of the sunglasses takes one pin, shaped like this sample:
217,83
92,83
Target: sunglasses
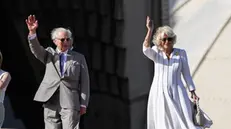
169,39
64,39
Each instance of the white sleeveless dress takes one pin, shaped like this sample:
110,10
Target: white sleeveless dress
2,96
2,91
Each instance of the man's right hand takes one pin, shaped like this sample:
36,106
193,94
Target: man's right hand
32,24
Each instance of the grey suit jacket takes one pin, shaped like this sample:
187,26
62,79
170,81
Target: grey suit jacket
73,86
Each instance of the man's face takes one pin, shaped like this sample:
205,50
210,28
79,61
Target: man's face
62,41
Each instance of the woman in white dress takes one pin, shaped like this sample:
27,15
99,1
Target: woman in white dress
169,106
4,81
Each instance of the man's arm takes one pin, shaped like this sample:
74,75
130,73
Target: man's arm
35,47
84,84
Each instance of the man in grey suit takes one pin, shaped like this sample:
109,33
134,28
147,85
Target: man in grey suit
65,86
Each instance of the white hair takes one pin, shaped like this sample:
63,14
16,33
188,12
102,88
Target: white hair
160,33
55,31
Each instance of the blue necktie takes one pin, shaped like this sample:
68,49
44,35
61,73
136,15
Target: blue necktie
62,61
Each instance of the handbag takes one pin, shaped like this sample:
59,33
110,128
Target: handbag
200,118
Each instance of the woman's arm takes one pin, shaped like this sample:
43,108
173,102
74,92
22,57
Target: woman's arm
187,76
186,71
4,81
147,50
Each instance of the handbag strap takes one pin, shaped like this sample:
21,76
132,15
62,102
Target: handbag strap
197,105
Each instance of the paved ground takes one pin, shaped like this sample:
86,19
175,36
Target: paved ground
197,25
175,5
213,81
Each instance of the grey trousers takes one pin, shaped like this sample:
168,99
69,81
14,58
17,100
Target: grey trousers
56,117
61,118
2,114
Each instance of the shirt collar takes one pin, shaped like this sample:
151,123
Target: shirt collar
60,51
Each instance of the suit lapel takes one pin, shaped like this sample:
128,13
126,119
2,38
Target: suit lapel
57,63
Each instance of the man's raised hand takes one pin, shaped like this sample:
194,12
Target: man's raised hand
32,24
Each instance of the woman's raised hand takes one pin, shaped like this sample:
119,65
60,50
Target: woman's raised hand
149,23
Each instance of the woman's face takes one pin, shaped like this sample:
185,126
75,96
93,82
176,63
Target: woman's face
166,42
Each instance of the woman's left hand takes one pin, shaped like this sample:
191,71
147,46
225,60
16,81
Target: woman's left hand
194,96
